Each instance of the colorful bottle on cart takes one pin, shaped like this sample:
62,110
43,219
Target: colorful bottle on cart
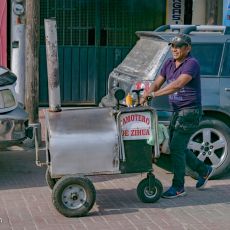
129,100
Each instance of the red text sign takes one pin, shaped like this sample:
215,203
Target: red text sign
136,126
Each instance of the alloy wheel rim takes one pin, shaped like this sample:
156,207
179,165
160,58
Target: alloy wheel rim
209,145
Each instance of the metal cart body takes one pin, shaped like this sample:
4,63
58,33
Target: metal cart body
92,141
82,141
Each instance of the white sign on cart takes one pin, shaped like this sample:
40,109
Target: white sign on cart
136,126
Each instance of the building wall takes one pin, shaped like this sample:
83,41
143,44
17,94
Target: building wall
207,12
93,38
199,9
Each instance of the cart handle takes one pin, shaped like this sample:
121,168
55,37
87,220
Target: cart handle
37,161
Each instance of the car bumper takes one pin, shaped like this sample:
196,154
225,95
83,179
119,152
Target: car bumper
13,125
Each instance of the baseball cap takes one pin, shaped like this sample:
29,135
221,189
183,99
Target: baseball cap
180,40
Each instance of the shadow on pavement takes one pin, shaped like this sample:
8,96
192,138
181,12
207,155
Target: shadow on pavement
18,170
119,201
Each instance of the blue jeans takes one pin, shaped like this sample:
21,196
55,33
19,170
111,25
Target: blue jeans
182,125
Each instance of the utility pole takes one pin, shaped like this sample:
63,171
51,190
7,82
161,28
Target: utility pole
32,59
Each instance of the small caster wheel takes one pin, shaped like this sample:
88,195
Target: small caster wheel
148,195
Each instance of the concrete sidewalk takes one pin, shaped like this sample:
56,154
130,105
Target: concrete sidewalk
25,202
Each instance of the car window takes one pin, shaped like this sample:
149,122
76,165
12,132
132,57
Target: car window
226,61
209,56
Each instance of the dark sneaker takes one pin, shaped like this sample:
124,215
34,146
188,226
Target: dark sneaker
172,192
203,180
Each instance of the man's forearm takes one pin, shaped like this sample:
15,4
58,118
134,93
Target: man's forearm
157,84
169,89
153,88
172,87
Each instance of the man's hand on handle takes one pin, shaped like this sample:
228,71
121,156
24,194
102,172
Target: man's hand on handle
147,96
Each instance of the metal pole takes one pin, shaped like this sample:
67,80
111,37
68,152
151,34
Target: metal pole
52,65
18,61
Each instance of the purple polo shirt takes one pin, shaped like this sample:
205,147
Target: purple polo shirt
190,95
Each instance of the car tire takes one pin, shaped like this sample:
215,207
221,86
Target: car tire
211,144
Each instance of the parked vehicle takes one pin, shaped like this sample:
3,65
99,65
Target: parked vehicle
211,46
13,118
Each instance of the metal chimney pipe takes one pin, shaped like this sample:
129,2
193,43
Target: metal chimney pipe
52,65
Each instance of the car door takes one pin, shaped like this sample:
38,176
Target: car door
225,78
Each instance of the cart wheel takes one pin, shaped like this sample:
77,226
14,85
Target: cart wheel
73,196
50,181
149,196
